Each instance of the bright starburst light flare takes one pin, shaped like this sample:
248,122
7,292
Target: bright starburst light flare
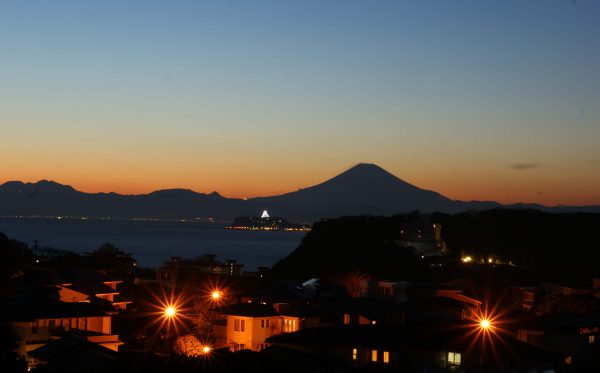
170,311
486,334
485,324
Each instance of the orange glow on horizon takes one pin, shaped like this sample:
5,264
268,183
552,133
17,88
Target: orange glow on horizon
505,187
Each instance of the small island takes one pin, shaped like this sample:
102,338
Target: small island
266,223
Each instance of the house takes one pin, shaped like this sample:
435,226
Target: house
577,336
47,304
73,352
249,325
440,303
195,270
76,285
37,320
371,311
395,290
264,311
417,348
559,289
524,297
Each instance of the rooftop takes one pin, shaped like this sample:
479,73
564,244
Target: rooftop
30,308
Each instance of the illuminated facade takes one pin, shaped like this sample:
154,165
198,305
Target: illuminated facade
39,321
51,304
248,326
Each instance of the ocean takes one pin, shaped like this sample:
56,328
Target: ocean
153,242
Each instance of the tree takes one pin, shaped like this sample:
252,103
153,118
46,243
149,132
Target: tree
14,255
188,345
10,361
110,257
354,282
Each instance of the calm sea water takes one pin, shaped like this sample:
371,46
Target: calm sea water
152,242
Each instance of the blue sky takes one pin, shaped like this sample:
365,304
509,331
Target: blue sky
262,97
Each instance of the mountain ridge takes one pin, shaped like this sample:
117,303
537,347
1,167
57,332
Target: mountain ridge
364,189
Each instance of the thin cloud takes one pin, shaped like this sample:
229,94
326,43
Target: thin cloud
525,166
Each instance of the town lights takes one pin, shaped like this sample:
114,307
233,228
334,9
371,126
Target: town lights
216,294
206,349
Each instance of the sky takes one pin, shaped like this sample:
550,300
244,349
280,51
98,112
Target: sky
477,100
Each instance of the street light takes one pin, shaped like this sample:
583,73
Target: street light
170,311
216,295
485,324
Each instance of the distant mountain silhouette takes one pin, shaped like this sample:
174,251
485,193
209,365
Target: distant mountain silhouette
364,189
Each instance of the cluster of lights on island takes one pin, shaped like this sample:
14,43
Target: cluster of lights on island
266,223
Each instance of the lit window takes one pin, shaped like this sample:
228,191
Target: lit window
454,358
386,357
346,318
374,356
354,353
591,339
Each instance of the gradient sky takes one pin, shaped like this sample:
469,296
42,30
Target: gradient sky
474,99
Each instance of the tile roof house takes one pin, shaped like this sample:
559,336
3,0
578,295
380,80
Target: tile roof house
39,319
47,304
77,285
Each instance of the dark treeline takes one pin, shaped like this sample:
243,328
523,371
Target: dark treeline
551,246
567,243
349,244
17,258
14,255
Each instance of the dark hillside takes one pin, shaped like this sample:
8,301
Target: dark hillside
537,244
340,246
568,243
